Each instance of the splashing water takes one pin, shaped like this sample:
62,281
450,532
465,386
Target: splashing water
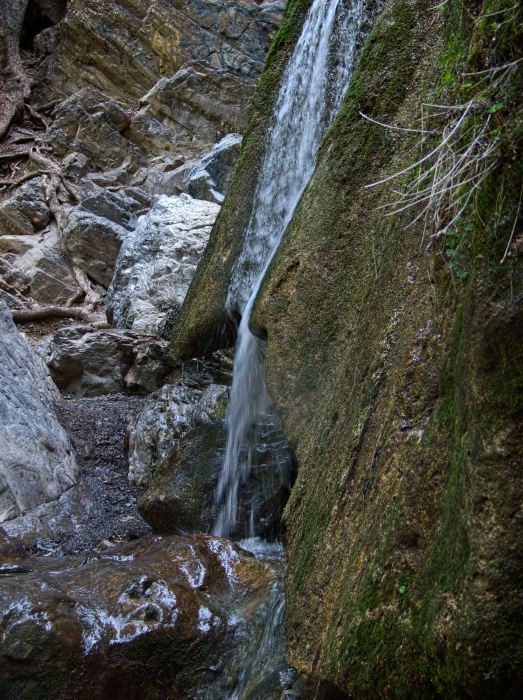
311,92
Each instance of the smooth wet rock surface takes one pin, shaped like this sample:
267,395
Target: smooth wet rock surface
159,618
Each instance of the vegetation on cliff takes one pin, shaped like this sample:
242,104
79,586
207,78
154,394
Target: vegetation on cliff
393,317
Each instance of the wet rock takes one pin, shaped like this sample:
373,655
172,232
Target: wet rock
157,262
87,362
37,463
177,450
210,178
131,621
94,230
25,211
168,417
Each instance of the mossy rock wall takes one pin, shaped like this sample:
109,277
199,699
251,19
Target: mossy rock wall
397,381
397,372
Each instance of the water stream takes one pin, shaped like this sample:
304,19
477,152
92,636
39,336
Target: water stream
312,89
311,92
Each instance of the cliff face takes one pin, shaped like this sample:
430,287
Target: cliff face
394,358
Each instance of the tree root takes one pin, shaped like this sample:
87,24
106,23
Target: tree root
44,312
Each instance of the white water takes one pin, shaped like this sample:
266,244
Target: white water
311,92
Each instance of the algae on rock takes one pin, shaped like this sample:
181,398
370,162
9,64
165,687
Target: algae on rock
397,380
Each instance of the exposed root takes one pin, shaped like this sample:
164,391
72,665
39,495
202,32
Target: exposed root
42,313
21,180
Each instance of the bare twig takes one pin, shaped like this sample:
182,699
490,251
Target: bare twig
513,227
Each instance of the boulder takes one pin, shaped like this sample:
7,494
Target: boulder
37,463
157,262
177,450
44,274
93,125
25,211
87,362
95,228
210,178
156,614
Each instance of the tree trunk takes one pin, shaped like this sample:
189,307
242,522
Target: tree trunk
15,83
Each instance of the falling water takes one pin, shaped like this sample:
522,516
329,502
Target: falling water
311,92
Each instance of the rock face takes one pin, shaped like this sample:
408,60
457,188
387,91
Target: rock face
94,230
217,47
157,261
176,449
26,211
37,463
210,178
394,370
153,615
87,362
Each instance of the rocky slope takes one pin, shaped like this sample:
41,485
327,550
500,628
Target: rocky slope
393,351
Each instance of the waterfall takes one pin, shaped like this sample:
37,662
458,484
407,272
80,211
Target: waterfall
311,92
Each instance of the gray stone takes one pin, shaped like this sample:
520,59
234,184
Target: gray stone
87,362
94,230
157,262
37,463
25,211
168,417
93,125
46,275
210,178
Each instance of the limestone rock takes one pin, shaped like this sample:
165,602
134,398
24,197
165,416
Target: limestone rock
94,230
75,626
157,261
25,211
45,275
210,178
227,39
87,362
93,125
37,463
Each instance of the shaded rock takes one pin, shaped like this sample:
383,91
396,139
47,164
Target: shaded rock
210,178
161,612
157,261
94,230
102,505
168,417
228,39
45,274
37,463
93,125
177,449
87,362
26,210
201,102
